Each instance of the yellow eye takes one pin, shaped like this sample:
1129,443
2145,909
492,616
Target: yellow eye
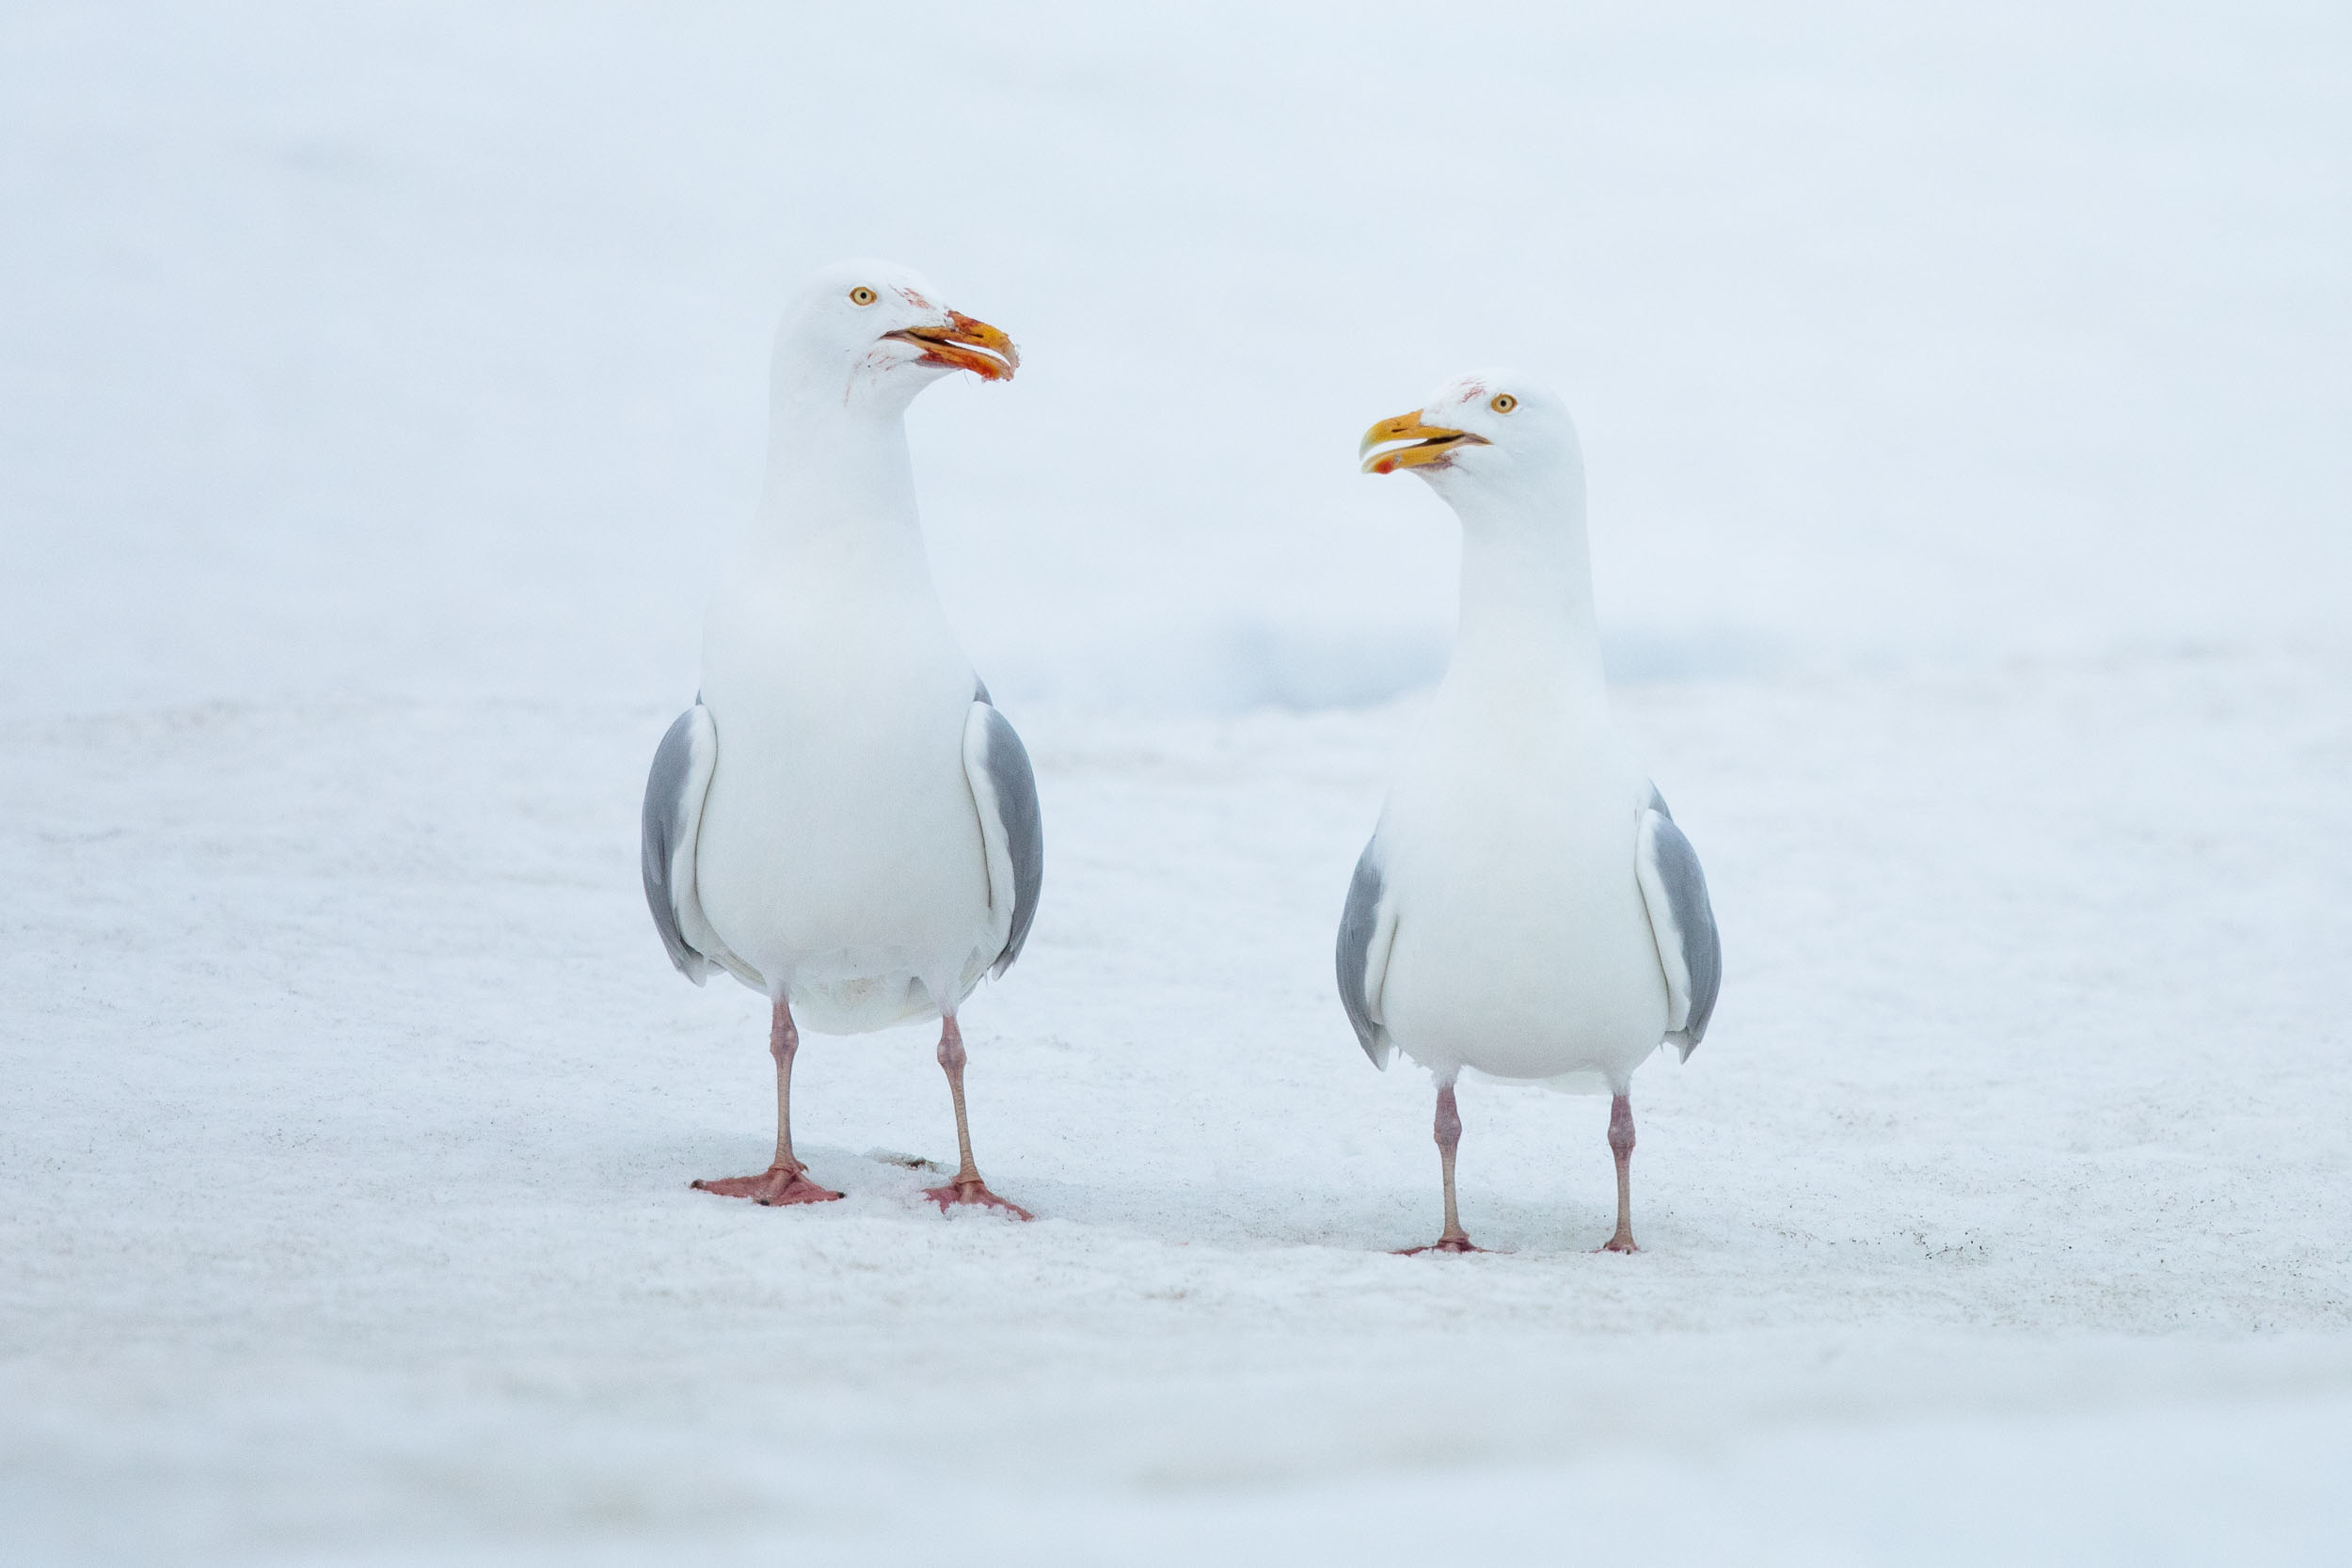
863,295
1502,403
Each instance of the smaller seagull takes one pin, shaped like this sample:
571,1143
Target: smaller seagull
1527,908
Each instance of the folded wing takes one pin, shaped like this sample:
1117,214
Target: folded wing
1367,931
675,789
1682,922
1012,831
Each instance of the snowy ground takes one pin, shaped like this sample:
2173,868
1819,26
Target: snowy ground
1963,394
2004,1212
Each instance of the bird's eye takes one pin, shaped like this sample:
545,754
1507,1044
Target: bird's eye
863,295
1502,403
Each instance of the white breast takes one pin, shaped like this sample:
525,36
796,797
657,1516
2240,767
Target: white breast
1523,948
840,853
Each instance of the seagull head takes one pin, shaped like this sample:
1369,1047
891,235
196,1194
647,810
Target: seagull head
875,333
1490,430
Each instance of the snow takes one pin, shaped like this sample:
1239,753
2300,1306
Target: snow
354,1210
1962,399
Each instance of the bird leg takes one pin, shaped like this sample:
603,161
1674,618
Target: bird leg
1449,1135
967,1187
786,1181
1621,1144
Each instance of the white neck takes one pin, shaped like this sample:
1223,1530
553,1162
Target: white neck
1527,617
840,488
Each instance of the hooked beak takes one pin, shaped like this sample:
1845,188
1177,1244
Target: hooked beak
1425,446
964,344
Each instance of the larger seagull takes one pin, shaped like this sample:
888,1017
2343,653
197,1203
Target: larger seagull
843,821
1527,908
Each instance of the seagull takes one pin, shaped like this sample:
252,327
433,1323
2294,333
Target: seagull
1527,908
843,821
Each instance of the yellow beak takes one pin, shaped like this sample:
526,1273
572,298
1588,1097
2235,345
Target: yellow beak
964,344
1429,446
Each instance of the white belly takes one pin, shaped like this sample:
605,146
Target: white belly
1523,948
840,854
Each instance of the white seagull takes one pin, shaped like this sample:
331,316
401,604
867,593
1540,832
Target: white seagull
1527,908
843,821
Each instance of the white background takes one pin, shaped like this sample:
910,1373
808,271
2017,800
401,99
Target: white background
1963,401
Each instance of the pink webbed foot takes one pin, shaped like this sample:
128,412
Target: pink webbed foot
1621,1242
773,1187
1449,1244
974,1192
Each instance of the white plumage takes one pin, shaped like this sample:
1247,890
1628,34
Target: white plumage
844,821
1527,908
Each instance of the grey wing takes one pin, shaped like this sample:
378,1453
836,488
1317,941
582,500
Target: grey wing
1366,932
1012,829
1682,921
674,788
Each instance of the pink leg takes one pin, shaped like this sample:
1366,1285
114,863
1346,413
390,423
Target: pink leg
1621,1144
786,1181
967,1187
1449,1135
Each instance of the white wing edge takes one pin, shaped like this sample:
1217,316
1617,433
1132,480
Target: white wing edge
993,845
1376,969
1674,944
1372,913
704,950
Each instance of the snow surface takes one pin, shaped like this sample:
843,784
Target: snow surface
1963,399
354,1109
